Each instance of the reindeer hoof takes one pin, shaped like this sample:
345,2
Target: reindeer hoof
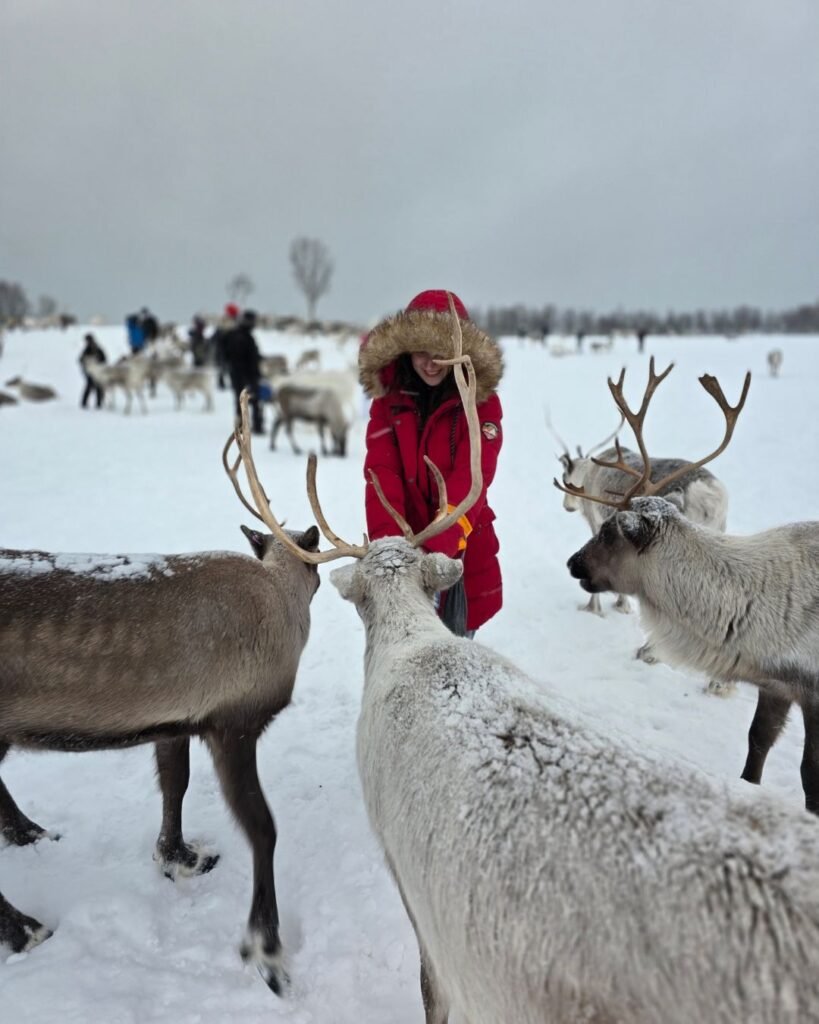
646,654
36,936
720,688
266,957
25,833
19,931
186,861
622,606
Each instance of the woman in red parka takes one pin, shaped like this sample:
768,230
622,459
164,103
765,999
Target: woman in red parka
416,412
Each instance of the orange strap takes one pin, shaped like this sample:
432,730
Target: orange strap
465,525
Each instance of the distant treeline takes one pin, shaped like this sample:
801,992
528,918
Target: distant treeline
15,305
523,320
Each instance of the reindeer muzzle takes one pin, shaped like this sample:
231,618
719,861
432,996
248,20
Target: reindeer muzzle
578,569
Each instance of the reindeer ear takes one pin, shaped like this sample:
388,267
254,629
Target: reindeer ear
257,541
308,541
439,572
676,499
348,582
637,529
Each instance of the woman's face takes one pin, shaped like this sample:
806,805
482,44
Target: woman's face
427,369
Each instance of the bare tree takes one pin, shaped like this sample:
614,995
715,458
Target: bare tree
14,304
312,269
239,287
46,306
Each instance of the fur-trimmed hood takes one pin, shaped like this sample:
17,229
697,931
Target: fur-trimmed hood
423,330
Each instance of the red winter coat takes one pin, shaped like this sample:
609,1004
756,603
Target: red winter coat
396,445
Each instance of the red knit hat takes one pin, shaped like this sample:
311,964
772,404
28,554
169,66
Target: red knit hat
232,310
437,301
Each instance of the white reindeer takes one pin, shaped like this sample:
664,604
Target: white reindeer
129,374
774,359
184,380
317,404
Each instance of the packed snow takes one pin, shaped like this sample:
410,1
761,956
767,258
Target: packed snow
131,946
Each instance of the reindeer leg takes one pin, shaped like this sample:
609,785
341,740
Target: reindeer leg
15,827
175,856
289,428
810,755
622,605
18,931
273,431
592,606
234,755
436,1005
768,720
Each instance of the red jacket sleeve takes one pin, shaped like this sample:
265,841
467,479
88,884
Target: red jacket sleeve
384,459
458,479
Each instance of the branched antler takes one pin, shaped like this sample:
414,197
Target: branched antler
643,486
241,437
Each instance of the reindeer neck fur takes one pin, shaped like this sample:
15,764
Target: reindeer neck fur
742,608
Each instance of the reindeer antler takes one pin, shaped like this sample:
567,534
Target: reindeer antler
467,385
731,414
635,420
241,436
643,485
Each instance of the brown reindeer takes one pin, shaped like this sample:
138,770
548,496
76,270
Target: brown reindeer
32,392
112,651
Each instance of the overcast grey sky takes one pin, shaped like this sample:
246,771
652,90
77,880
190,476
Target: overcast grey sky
644,153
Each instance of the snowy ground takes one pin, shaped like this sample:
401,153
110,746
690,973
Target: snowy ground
130,946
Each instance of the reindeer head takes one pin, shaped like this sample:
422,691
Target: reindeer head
576,467
394,570
610,560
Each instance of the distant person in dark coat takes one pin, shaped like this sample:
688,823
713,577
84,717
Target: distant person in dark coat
198,342
93,352
242,359
150,325
217,340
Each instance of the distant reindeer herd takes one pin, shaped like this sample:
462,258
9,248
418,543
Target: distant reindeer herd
550,872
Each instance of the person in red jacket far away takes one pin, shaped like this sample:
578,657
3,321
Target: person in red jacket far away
416,411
